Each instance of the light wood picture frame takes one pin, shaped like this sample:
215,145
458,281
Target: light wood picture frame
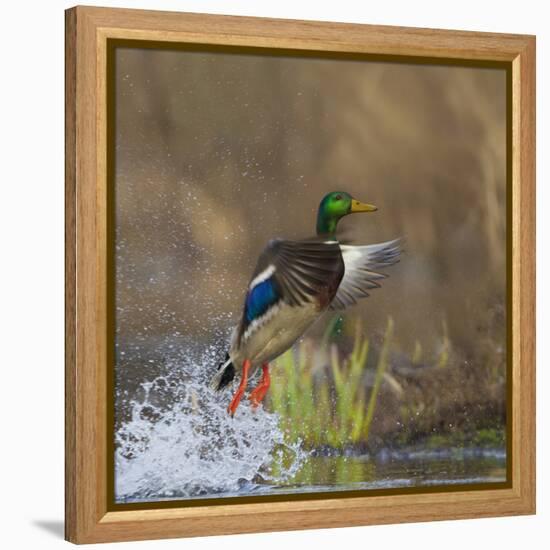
90,516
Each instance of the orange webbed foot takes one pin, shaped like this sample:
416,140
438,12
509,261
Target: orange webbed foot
240,390
258,393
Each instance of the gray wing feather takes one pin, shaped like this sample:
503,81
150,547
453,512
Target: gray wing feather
361,275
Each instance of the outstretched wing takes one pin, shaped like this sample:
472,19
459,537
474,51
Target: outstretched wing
293,272
361,275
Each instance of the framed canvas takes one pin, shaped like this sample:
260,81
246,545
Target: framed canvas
242,353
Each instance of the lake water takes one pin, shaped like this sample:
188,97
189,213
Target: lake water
387,471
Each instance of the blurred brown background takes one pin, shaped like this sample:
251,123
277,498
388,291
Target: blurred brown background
217,153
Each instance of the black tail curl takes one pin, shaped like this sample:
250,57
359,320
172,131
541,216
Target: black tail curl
224,378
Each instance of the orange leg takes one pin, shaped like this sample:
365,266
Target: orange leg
261,389
240,391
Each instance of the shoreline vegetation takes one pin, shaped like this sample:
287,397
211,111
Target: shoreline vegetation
357,395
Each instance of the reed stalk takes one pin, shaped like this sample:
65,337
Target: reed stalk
380,370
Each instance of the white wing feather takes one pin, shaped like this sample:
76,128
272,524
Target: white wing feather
361,263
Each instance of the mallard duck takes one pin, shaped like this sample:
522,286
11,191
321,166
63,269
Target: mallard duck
294,283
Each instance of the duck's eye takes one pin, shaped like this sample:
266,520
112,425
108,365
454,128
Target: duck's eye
338,198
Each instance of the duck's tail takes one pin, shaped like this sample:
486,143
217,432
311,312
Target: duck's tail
224,375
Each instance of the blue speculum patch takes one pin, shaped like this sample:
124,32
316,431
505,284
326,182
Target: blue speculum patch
259,299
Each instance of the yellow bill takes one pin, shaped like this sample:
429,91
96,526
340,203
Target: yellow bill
357,206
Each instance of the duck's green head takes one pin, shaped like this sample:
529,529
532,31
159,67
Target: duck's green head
335,206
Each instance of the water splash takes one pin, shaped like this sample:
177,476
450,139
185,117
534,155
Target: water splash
177,440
